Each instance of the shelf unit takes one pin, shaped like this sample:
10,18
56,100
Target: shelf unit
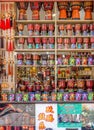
56,51
56,22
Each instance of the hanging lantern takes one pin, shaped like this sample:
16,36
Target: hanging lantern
48,6
75,5
22,6
35,7
62,6
88,5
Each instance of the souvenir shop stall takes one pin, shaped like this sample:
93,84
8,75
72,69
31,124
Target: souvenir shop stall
46,65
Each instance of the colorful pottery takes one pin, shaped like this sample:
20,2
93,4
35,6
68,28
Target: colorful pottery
48,6
62,6
30,29
35,7
11,97
88,6
75,6
18,97
22,6
78,96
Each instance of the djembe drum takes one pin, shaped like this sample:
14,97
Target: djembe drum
62,6
48,6
88,10
35,7
75,6
22,6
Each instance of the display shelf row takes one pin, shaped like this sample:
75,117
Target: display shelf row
53,21
55,65
51,50
24,36
44,102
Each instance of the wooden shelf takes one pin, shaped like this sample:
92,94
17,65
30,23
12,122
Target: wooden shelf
45,102
34,50
54,65
35,21
53,21
75,50
26,66
74,21
75,65
74,36
23,36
